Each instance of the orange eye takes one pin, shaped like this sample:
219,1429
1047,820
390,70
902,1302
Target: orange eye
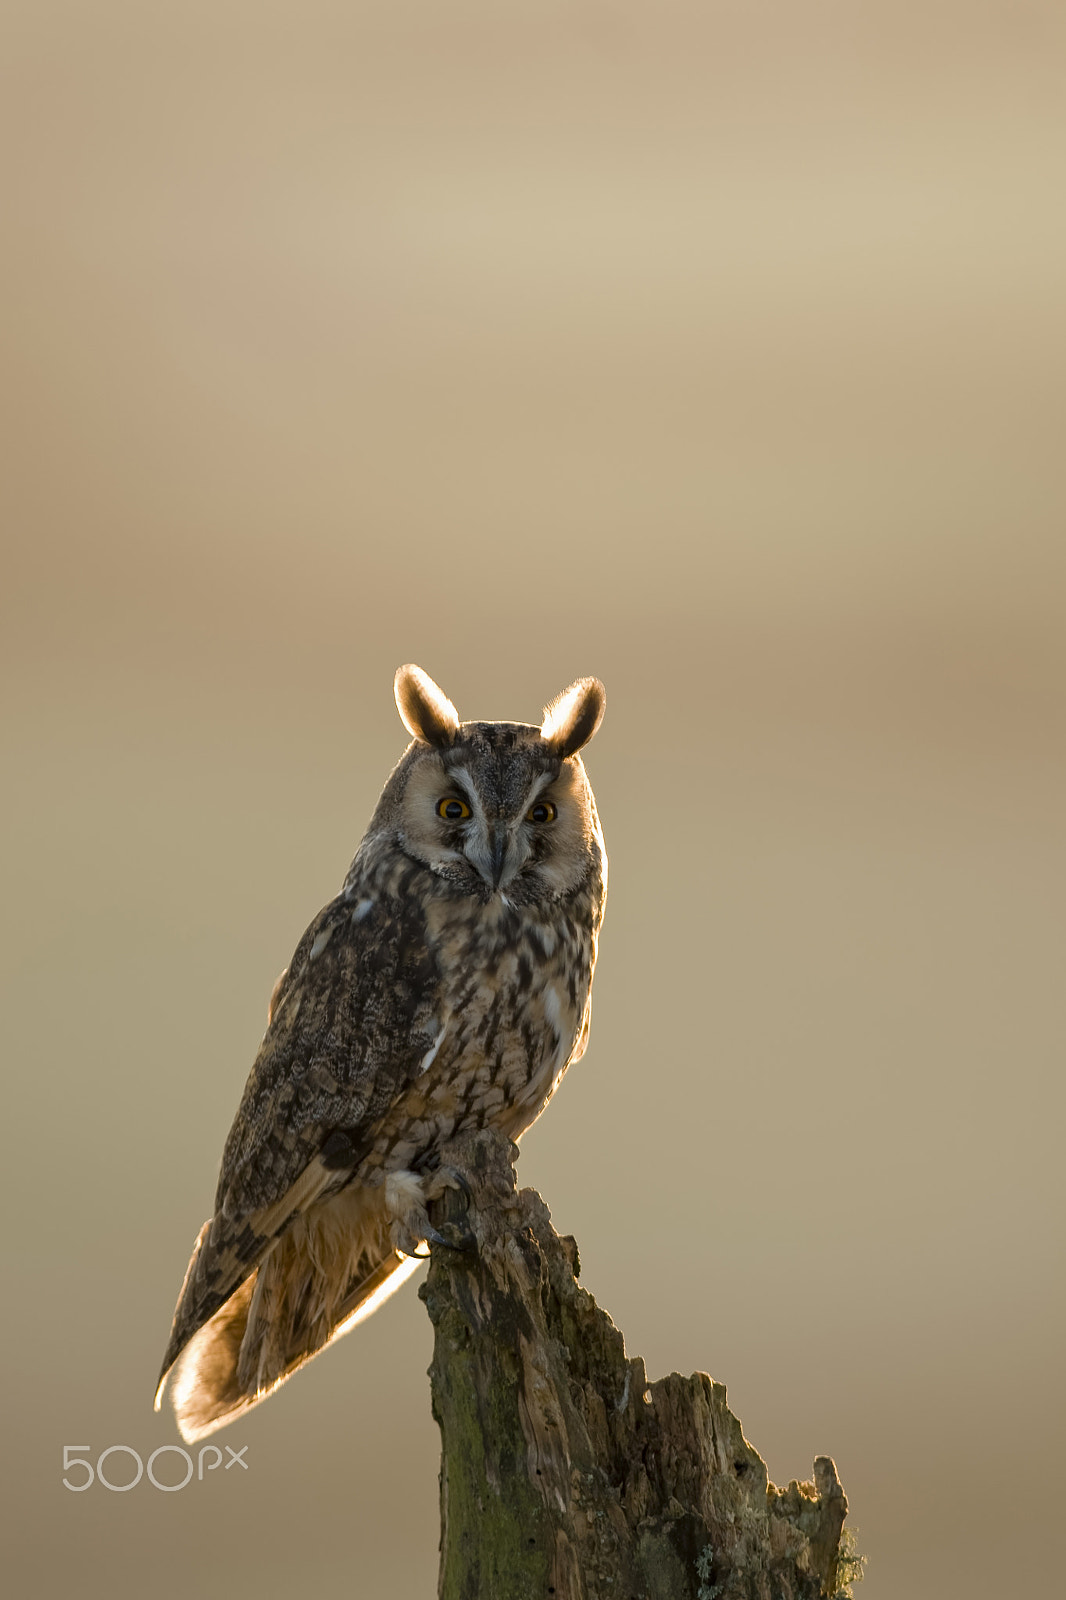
452,809
543,811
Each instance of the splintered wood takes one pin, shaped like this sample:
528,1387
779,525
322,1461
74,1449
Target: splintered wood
564,1471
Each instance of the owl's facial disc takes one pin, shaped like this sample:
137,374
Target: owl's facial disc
497,814
466,832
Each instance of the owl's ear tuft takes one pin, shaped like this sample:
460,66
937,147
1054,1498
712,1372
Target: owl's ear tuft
573,716
425,710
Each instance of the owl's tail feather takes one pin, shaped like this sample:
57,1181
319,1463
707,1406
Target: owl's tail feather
279,1318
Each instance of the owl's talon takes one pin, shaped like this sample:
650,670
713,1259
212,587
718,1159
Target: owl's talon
445,1178
461,1183
449,1236
453,1236
412,1255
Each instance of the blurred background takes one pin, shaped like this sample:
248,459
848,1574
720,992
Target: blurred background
714,349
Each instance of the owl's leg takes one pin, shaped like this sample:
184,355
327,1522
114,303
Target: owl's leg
407,1198
406,1212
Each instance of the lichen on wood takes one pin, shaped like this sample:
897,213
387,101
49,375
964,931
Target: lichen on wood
564,1471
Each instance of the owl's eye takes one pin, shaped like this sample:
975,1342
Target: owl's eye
453,809
543,811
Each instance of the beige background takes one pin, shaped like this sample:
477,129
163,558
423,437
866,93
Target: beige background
715,349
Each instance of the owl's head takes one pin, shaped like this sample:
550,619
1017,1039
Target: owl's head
496,807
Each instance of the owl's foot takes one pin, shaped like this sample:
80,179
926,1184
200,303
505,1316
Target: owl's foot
448,1203
408,1198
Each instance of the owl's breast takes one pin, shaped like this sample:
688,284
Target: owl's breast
514,1000
517,984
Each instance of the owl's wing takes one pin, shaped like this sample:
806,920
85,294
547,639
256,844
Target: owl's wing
350,1022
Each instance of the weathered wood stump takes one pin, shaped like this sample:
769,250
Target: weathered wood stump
564,1472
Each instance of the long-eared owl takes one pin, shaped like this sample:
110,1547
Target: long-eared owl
447,987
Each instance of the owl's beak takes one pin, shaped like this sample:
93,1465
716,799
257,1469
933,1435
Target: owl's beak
491,853
499,852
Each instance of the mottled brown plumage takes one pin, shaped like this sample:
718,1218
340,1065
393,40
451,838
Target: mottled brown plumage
448,986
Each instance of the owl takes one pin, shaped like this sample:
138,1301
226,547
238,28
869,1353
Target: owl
446,988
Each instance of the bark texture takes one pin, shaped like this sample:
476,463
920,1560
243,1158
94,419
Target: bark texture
564,1472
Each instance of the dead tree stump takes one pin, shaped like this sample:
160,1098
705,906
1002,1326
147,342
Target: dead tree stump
564,1472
